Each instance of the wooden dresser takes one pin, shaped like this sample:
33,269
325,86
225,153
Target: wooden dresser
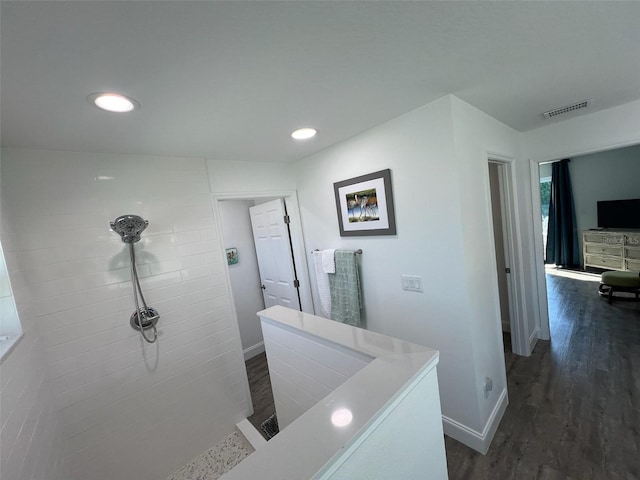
611,249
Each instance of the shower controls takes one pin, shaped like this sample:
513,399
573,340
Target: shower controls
150,317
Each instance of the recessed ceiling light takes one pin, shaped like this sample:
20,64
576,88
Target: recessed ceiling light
113,102
342,417
304,133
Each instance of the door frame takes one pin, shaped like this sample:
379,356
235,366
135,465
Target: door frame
542,303
521,343
290,198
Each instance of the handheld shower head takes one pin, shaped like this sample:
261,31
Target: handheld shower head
129,227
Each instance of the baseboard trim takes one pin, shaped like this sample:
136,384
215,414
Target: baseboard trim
479,441
252,351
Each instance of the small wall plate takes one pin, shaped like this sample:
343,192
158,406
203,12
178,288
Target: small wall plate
150,317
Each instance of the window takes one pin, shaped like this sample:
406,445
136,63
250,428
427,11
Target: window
545,197
10,329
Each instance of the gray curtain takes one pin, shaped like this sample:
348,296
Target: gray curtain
562,233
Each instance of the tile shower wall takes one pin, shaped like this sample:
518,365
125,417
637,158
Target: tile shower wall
29,429
128,410
304,370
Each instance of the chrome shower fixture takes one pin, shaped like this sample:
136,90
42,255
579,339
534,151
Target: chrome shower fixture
144,318
129,227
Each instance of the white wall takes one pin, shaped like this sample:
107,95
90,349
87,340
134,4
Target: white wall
239,177
477,137
458,311
609,175
128,410
244,275
412,444
604,130
264,182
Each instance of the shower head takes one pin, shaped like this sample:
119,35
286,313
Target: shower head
129,227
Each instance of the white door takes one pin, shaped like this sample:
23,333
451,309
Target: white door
502,256
273,249
520,344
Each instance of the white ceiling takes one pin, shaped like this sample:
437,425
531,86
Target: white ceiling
231,80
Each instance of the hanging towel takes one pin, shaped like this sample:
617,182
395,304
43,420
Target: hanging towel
345,289
322,280
329,260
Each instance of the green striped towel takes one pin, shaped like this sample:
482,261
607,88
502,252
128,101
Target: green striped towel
345,289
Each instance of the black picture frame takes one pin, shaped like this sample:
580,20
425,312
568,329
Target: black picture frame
365,205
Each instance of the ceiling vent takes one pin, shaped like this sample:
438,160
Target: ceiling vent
569,108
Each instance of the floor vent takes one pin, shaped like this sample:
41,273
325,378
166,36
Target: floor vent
569,108
270,426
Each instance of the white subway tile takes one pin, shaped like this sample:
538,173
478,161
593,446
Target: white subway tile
125,384
53,288
70,318
324,375
73,274
96,280
160,280
188,199
197,272
194,249
216,259
192,261
158,268
209,235
342,360
191,224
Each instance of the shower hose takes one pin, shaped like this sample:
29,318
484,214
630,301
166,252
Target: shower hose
137,291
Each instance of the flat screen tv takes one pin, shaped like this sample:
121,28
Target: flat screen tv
619,214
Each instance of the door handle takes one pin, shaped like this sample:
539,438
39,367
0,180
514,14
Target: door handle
263,287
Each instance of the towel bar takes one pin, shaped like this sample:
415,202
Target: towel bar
355,252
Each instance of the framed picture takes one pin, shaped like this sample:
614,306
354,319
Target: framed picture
365,205
232,256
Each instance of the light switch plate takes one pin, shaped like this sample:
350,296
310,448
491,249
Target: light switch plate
411,283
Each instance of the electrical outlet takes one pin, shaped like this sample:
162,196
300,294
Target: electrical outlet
488,386
411,283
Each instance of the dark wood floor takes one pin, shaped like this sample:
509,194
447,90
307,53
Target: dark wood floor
260,387
574,404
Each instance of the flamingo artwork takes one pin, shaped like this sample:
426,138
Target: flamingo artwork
362,206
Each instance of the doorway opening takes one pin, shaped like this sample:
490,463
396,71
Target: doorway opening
246,276
599,174
545,198
504,235
274,252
